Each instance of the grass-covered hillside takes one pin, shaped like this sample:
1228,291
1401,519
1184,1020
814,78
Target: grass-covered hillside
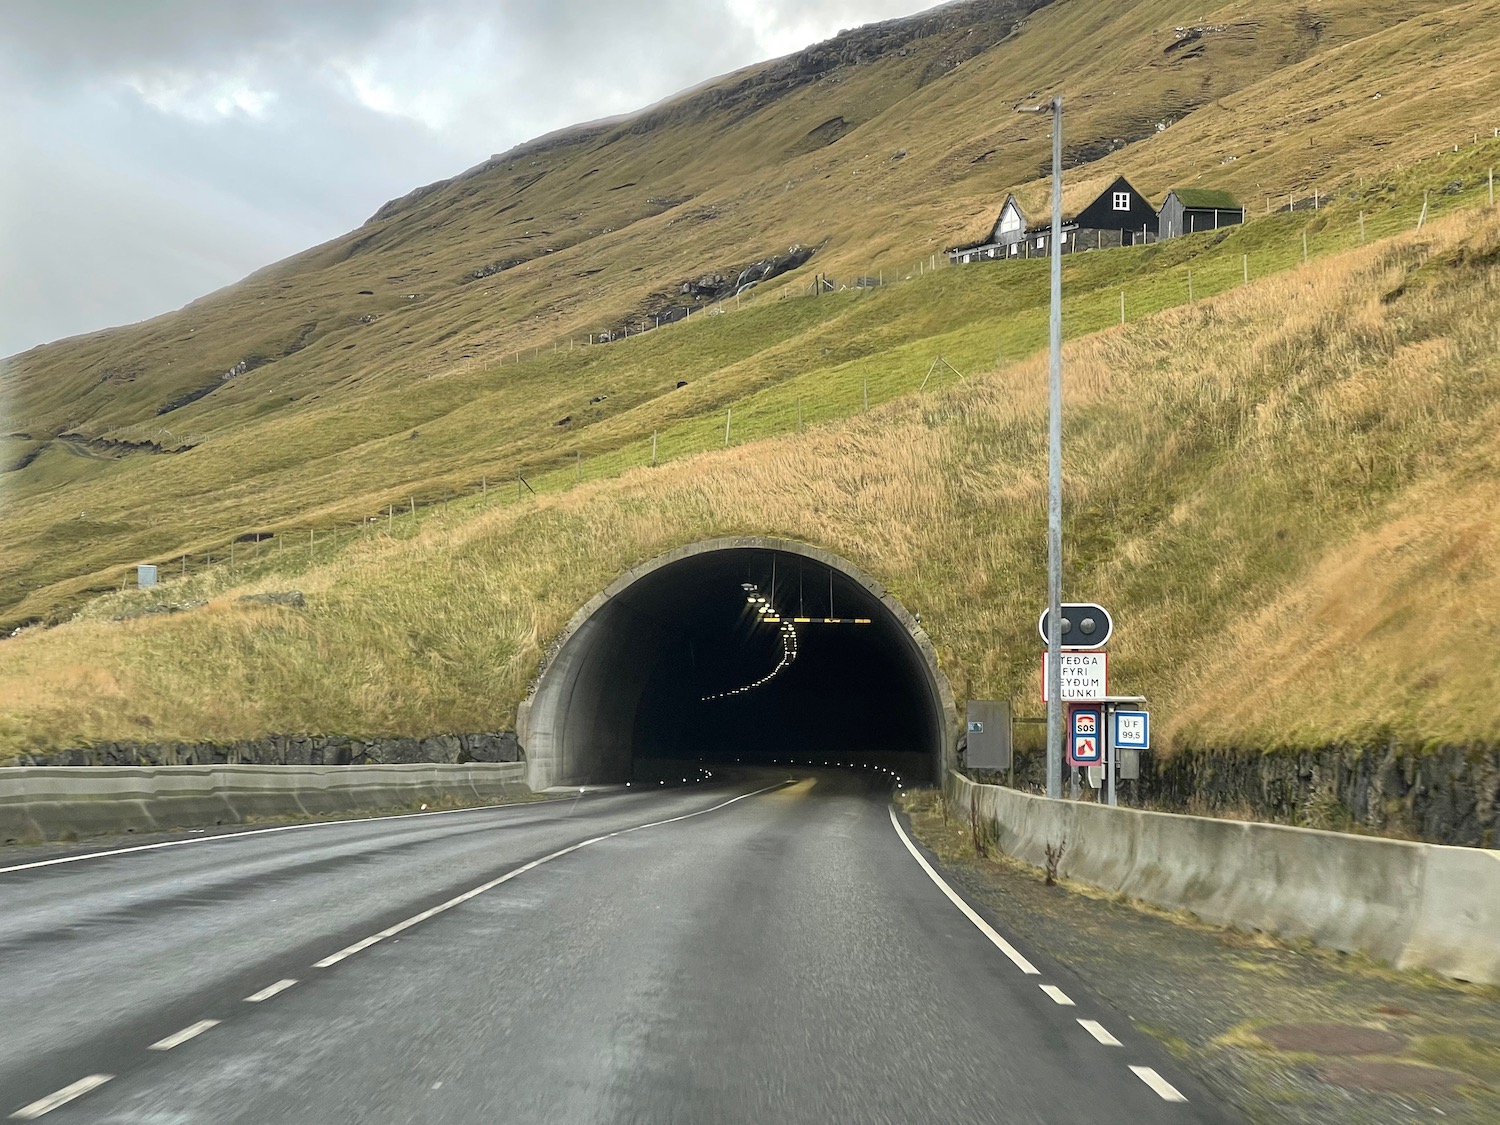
1288,493
428,353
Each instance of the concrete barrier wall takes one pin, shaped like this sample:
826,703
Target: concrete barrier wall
39,803
1417,906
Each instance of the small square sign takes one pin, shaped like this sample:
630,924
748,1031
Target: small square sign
1133,730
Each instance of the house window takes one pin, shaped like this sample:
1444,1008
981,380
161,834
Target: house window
1122,201
1040,243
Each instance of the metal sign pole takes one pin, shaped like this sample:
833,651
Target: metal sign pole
1109,749
1054,476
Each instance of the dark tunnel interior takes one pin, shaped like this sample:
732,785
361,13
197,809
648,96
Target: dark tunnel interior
744,654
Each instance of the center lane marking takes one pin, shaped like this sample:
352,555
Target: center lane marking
984,927
61,1098
391,931
192,1031
269,991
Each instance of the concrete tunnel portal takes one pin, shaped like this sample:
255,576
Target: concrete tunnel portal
750,649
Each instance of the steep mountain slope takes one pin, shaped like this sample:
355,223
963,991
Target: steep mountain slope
311,393
1286,493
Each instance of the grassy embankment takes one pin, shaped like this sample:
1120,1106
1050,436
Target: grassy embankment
386,331
1287,493
768,363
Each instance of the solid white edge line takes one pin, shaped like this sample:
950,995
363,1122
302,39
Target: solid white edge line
177,1039
60,1098
253,832
1162,1088
474,892
270,990
1099,1032
984,927
1058,995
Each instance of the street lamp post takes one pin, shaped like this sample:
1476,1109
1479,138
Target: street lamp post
1054,470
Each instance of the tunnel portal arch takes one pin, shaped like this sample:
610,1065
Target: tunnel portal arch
645,669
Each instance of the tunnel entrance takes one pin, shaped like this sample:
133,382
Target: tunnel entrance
747,649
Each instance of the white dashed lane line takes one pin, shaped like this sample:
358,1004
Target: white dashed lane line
177,1039
1098,1031
1164,1089
269,991
61,1098
390,931
1058,995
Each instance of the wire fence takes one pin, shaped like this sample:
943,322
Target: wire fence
1339,219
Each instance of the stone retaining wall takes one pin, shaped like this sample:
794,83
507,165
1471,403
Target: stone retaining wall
1442,795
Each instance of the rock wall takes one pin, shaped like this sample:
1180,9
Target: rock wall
291,750
1442,795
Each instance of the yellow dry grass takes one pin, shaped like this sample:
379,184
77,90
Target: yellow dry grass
1286,493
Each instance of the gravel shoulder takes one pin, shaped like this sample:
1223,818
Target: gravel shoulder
1286,1034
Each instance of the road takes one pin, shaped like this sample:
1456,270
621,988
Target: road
769,951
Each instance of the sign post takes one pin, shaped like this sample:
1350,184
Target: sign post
1109,743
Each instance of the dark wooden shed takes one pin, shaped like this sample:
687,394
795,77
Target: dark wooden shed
1190,210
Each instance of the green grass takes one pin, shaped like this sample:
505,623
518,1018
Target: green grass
1221,453
1285,492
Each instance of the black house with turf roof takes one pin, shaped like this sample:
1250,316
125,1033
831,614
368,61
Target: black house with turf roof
1121,216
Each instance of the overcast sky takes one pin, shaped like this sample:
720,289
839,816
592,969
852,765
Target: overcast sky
153,150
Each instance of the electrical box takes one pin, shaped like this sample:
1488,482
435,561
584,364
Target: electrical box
989,734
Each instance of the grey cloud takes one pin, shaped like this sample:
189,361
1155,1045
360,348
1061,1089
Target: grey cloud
119,202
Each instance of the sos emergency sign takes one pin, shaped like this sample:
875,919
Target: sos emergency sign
1085,736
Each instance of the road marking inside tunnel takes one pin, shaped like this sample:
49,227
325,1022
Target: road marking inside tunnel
177,1039
61,1098
1058,995
474,892
269,991
1163,1089
984,927
243,835
1099,1032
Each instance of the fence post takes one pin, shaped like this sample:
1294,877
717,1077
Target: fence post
390,519
577,466
1122,306
1245,265
1492,187
799,415
1361,228
413,500
867,392
484,485
728,417
1304,246
653,448
1422,218
1190,287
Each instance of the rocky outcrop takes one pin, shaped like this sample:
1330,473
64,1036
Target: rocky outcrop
1444,795
291,750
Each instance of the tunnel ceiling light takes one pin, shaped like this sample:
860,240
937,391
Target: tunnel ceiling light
767,613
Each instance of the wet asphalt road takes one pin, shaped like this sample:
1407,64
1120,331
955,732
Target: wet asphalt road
781,958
